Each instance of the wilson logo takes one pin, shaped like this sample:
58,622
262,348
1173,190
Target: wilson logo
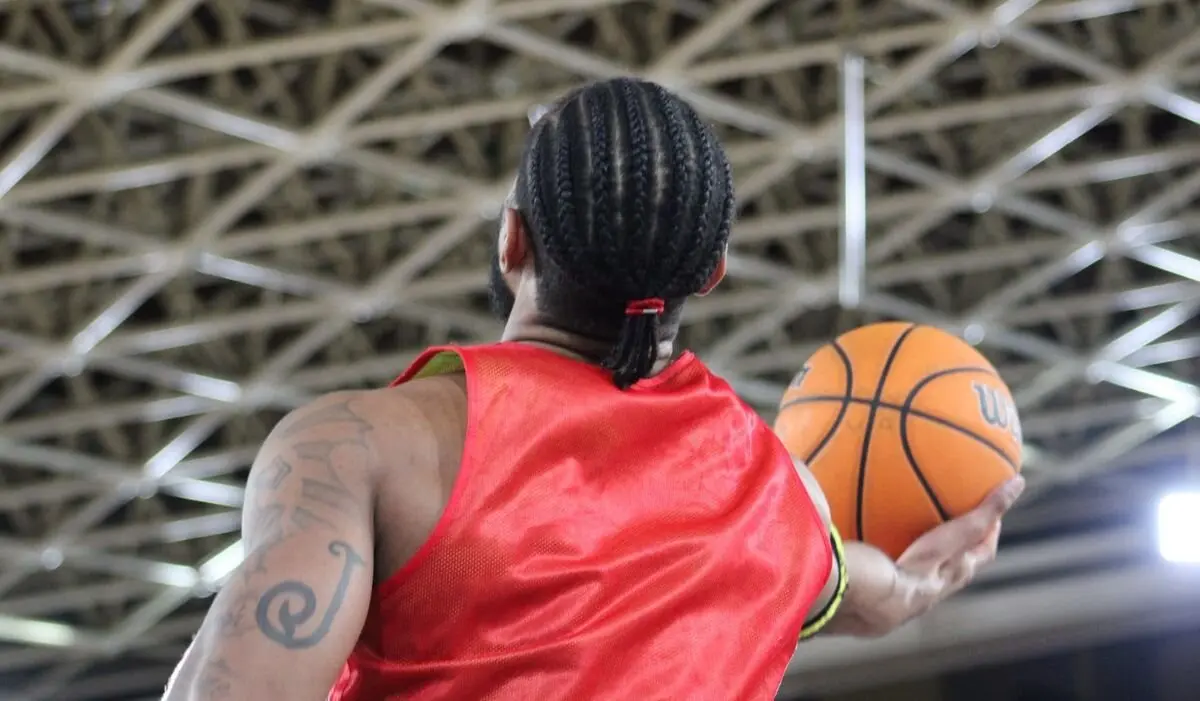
799,378
997,409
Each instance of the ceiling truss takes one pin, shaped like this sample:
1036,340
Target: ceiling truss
214,210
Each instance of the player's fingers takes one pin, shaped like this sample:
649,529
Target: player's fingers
960,574
985,552
996,504
955,538
963,569
967,531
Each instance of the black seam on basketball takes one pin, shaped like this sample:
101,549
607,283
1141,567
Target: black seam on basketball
959,429
948,371
912,464
916,389
866,441
845,402
933,418
907,409
908,453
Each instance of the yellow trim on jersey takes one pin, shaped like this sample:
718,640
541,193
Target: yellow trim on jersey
839,556
443,363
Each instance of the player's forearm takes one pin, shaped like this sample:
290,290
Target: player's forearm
861,595
871,582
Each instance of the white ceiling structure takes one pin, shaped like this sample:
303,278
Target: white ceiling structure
212,210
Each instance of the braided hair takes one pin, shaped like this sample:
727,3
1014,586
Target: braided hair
628,198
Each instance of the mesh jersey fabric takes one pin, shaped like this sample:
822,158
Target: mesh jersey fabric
637,545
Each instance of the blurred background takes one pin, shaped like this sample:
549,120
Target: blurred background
213,210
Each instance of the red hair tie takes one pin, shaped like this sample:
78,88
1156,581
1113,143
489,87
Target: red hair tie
650,305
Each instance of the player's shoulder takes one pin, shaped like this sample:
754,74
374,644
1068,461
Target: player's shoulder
398,408
413,423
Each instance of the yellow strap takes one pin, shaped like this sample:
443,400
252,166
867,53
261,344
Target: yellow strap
839,555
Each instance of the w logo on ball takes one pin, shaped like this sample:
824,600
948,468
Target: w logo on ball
997,409
799,378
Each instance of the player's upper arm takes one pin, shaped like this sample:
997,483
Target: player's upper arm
830,598
290,615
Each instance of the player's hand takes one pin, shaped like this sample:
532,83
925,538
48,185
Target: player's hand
937,565
945,560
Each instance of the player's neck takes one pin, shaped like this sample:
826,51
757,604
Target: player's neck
532,331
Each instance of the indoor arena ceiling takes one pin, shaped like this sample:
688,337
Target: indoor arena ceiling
210,211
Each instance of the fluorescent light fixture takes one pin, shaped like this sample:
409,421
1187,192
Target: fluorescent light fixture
217,568
1179,527
29,631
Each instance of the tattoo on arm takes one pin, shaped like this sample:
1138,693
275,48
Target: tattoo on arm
303,487
301,491
279,621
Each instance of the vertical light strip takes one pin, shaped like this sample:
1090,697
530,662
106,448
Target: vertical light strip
853,242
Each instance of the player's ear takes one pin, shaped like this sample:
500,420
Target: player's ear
513,249
717,276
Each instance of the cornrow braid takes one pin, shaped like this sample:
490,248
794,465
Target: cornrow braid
628,197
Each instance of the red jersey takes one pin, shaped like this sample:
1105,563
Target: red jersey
639,545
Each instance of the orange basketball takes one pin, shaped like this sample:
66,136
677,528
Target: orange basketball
904,426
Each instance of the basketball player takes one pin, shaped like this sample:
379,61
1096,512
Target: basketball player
577,512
